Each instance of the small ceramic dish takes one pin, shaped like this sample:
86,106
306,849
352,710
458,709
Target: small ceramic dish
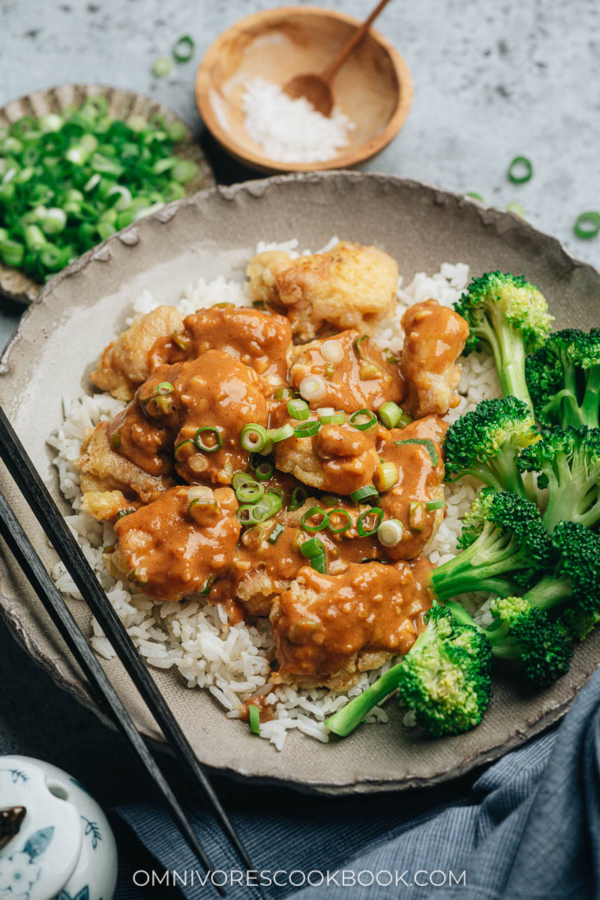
373,87
121,104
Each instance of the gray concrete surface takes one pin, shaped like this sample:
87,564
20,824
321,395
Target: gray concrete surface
492,80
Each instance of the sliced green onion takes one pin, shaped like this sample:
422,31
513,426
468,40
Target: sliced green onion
339,512
245,514
181,340
162,66
165,387
389,414
202,509
241,478
275,500
356,346
298,409
283,393
313,547
435,504
264,470
176,132
254,438
250,492
298,498
115,440
369,371
377,513
390,532
309,514
184,49
185,170
427,443
281,434
207,586
333,418
363,419
416,515
312,387
520,170
319,564
201,443
254,717
517,209
364,493
307,429
125,512
385,476
276,532
12,253
329,370
332,351
184,450
34,237
587,225
475,196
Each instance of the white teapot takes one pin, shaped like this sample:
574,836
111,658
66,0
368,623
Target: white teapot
55,841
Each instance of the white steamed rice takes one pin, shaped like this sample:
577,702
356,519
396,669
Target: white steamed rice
192,637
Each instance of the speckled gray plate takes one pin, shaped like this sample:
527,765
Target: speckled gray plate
121,105
77,314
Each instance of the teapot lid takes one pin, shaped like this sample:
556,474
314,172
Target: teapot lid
40,832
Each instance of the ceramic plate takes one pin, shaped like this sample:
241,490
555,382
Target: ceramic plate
77,314
121,104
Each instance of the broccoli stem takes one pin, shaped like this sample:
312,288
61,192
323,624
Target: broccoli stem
511,370
591,399
477,567
503,646
572,503
346,719
549,592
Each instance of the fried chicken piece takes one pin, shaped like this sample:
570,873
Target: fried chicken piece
259,340
101,468
105,506
330,628
420,464
435,338
125,363
350,286
170,549
363,378
338,458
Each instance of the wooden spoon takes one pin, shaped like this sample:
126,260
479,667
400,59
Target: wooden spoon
316,88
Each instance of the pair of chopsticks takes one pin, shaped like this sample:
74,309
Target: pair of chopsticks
48,515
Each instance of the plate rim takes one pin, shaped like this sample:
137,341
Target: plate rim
257,189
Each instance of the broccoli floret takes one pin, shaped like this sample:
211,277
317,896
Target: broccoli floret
505,545
486,442
579,624
568,460
445,678
525,632
508,316
563,378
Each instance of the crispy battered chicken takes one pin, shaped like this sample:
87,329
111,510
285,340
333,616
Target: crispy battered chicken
171,548
362,378
105,506
125,363
435,338
330,628
350,286
101,468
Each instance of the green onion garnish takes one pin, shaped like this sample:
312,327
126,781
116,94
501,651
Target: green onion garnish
264,470
298,409
254,438
201,442
241,478
162,66
309,514
389,414
329,370
390,532
314,551
298,498
435,504
275,500
281,434
520,170
364,493
249,492
363,419
427,443
125,512
516,208
332,418
184,49
165,387
587,225
184,450
254,716
385,476
474,195
377,513
356,346
115,440
339,512
276,532
307,429
283,393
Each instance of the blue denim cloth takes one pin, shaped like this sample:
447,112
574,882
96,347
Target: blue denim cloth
526,829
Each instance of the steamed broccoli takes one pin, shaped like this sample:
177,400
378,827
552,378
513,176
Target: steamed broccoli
524,631
508,316
445,678
568,460
486,443
504,546
563,378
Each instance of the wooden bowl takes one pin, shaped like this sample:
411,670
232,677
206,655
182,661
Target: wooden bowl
373,87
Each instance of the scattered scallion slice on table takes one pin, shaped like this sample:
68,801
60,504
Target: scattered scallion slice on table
70,180
587,225
184,49
520,170
254,716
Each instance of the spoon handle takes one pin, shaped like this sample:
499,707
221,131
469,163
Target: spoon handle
356,38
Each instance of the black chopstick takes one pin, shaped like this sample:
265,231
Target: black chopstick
44,508
31,565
